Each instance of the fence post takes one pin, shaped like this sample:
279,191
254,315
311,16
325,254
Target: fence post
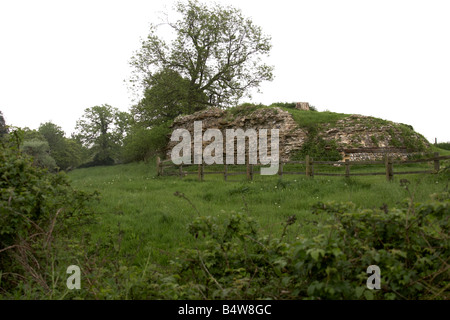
200,172
437,166
347,168
158,165
249,171
389,168
225,173
308,166
280,169
312,167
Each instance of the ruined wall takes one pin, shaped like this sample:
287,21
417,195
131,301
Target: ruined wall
291,137
357,137
362,132
369,154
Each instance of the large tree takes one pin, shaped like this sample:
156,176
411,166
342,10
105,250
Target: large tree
102,129
166,97
215,48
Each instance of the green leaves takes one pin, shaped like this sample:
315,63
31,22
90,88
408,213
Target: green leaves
30,196
102,130
408,246
316,253
216,49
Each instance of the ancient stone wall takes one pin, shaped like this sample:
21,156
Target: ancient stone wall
291,137
358,138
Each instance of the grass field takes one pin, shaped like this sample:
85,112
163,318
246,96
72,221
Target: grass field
140,210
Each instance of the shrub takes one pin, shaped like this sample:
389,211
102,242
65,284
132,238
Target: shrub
142,143
232,260
34,205
40,151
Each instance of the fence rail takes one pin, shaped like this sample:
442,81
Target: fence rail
310,166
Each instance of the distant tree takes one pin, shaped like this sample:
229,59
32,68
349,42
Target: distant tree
102,130
66,152
215,49
53,133
32,134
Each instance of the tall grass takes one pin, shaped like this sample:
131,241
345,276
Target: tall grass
151,221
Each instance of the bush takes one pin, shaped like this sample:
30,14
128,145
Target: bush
232,260
40,151
34,206
142,143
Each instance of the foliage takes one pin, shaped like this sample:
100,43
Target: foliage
132,253
232,260
317,148
411,139
39,150
244,109
290,105
215,48
142,143
443,145
31,134
102,130
68,153
166,97
3,126
34,206
52,133
407,137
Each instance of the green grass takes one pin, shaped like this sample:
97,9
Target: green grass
441,152
308,118
140,212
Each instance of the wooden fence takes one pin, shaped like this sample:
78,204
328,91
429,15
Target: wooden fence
310,165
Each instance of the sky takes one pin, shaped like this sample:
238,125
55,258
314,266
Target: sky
387,59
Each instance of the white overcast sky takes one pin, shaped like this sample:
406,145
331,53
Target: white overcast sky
388,59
